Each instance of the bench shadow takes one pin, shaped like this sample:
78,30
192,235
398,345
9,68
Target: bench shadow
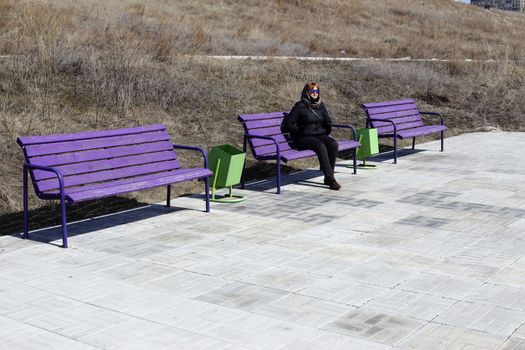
85,222
301,177
388,156
262,175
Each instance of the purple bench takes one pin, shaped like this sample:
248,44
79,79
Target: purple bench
267,142
96,164
400,119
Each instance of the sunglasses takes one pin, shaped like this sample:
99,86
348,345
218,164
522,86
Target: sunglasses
313,91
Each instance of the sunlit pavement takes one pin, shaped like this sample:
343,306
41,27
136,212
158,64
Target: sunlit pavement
424,254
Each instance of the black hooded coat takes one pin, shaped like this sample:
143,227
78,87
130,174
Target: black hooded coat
306,119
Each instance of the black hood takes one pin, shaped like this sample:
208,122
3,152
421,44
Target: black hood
309,101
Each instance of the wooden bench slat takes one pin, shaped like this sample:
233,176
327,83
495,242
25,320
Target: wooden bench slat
85,135
398,114
389,103
412,118
263,123
294,154
271,144
113,141
261,142
291,154
345,145
264,150
106,164
97,154
424,130
139,184
389,109
266,131
285,147
402,126
107,184
106,175
247,117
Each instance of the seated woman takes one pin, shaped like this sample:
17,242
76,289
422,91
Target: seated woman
309,126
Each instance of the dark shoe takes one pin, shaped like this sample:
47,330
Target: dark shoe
332,184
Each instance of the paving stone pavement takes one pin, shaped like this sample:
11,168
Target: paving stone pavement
425,254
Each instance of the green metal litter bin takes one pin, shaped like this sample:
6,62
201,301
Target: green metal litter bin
369,141
227,163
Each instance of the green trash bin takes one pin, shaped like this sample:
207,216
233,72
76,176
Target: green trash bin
226,162
368,139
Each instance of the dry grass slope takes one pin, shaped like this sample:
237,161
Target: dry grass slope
380,28
107,64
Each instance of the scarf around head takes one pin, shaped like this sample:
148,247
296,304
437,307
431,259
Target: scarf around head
309,102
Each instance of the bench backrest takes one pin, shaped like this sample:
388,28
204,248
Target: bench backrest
265,124
404,113
99,156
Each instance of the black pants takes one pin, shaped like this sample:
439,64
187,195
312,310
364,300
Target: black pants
326,149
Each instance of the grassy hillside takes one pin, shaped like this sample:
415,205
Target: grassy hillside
380,28
107,64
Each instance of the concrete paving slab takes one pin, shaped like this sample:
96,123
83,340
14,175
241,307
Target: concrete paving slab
434,336
428,253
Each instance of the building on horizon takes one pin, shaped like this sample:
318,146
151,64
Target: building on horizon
510,5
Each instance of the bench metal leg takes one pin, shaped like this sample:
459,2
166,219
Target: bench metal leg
63,217
278,174
413,142
442,134
395,150
26,205
168,196
355,160
243,164
207,193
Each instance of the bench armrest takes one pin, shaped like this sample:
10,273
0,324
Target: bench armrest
194,148
383,120
57,172
344,126
435,114
277,148
248,136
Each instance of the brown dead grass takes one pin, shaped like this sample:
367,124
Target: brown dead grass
380,28
109,64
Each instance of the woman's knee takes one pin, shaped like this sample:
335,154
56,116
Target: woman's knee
332,145
320,148
310,143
